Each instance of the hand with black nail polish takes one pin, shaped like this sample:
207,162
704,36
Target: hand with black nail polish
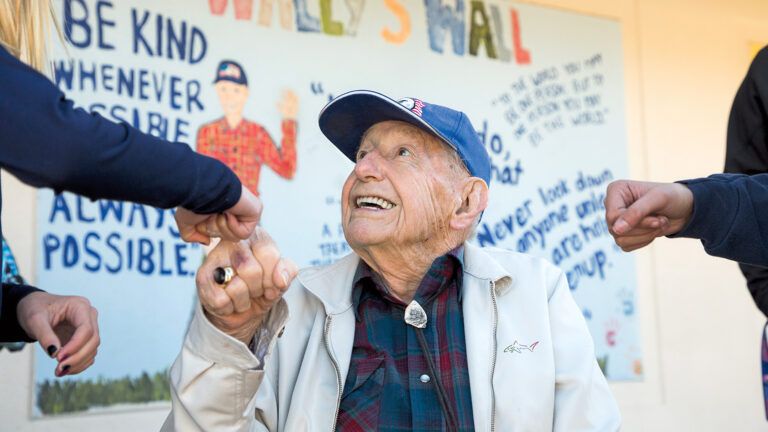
66,327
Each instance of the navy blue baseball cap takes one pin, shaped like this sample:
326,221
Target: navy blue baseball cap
229,70
346,118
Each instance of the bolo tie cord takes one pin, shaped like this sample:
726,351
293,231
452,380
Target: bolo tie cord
442,394
416,317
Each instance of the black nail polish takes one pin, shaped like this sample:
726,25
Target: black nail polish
64,370
51,350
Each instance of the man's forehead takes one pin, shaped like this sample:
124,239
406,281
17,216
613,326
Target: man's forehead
230,84
381,130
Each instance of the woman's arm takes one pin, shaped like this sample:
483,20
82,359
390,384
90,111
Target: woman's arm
47,142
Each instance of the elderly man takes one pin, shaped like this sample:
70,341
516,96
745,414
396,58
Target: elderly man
416,330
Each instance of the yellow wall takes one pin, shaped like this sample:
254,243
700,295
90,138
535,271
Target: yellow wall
700,330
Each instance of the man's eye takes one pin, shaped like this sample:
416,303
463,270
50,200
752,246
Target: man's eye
403,152
361,154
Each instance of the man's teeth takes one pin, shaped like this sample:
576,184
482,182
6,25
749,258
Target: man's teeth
370,201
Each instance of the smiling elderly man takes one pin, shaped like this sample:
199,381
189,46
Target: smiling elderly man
416,330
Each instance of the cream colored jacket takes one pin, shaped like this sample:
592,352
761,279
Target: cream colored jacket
510,301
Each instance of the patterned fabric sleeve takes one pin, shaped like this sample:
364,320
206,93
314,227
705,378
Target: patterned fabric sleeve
764,364
13,337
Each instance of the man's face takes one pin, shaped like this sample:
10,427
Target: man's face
232,97
403,189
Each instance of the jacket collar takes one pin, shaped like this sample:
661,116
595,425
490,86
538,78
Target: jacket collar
480,264
332,284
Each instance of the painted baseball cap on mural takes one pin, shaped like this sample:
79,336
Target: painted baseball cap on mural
346,118
229,70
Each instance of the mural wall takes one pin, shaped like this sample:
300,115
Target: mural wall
244,81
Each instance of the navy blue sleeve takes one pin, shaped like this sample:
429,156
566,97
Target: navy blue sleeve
747,151
10,329
730,216
46,142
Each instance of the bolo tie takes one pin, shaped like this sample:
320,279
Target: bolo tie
416,317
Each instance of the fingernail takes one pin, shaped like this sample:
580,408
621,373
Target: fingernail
51,350
270,294
620,226
285,275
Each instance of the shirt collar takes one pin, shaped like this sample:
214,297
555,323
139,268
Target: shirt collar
367,282
224,125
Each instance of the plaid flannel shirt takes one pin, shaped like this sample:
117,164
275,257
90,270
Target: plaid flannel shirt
247,146
385,387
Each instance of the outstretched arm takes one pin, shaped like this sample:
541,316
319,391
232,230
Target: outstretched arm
215,379
722,210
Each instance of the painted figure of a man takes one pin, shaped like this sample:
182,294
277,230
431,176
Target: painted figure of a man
244,145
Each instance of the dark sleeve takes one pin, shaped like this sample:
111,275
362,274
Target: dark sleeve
46,142
10,330
747,151
727,211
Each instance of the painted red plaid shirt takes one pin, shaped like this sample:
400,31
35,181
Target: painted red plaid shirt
247,146
389,387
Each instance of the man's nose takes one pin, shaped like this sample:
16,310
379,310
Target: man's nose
368,168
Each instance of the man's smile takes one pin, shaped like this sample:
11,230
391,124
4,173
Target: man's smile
371,202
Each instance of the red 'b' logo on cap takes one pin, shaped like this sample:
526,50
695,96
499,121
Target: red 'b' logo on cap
414,105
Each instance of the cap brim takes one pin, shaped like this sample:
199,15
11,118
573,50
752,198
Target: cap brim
230,79
345,119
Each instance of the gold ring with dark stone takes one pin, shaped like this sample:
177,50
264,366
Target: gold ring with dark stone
223,275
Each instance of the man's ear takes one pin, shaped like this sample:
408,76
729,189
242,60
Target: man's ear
474,199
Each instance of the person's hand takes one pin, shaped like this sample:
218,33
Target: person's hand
261,278
235,224
289,105
65,326
638,212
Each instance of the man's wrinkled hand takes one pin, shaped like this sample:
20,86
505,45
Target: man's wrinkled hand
639,212
261,278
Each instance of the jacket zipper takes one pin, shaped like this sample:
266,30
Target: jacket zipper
335,367
493,356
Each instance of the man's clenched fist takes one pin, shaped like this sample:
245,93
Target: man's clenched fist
261,277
